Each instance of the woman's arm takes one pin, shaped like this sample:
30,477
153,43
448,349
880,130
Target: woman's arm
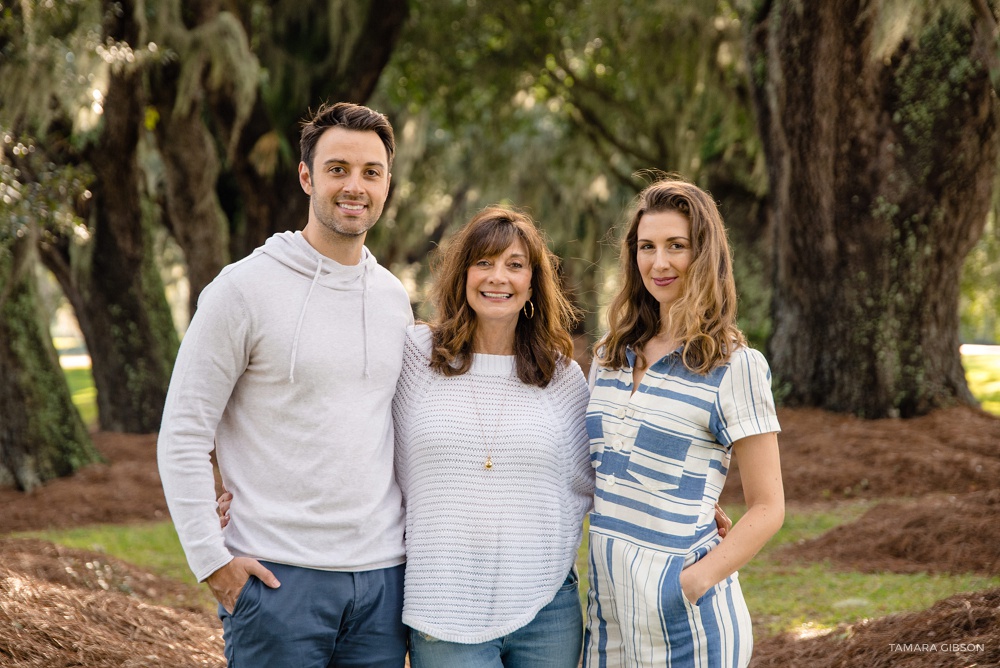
760,471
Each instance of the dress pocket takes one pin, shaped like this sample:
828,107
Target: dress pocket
657,459
712,592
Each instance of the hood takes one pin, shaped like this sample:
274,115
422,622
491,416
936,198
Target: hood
292,250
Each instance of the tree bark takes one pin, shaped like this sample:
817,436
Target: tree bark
113,283
41,433
881,161
191,168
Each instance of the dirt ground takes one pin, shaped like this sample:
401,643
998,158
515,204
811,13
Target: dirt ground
61,607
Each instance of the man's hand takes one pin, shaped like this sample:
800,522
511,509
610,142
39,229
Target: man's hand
227,582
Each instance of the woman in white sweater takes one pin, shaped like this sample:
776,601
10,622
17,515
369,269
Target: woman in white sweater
492,457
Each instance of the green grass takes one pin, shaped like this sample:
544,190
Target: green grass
81,388
983,375
793,597
781,597
151,546
809,596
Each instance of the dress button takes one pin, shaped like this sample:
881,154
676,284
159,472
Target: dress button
620,413
611,480
595,463
617,445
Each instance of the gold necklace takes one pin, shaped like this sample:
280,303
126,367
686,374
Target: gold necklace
490,442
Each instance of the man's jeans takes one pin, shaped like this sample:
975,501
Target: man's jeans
318,619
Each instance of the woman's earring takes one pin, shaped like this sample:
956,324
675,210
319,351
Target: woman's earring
524,310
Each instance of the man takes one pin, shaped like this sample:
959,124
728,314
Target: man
288,370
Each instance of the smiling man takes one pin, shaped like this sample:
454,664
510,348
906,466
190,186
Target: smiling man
288,371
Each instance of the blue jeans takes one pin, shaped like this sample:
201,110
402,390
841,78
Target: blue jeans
553,639
318,619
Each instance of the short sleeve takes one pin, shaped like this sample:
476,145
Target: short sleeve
744,405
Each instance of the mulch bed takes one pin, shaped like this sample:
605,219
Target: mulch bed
126,489
826,457
84,569
61,607
958,632
938,534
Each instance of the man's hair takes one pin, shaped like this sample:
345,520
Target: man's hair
541,341
349,116
705,313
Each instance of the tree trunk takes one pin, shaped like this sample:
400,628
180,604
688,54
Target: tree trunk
116,289
190,155
41,433
881,160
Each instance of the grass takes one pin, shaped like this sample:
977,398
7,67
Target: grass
805,597
982,372
782,597
797,598
84,394
809,597
152,546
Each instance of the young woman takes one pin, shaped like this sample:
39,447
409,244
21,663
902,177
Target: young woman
492,457
676,393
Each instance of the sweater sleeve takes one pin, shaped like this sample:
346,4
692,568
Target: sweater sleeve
413,378
571,395
211,359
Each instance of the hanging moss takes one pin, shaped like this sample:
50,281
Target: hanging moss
929,80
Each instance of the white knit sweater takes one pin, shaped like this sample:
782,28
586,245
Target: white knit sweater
487,549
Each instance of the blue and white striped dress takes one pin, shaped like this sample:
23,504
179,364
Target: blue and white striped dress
661,457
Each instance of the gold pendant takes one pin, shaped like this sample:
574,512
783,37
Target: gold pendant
489,463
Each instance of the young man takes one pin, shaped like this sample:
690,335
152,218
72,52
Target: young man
288,371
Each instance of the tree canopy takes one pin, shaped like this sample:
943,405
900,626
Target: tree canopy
835,140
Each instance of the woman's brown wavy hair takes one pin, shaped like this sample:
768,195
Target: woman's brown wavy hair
541,342
705,313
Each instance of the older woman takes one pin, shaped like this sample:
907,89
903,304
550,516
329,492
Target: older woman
492,457
676,393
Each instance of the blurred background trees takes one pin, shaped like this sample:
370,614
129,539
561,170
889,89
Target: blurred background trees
851,146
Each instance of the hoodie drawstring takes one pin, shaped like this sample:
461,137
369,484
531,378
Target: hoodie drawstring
364,316
302,316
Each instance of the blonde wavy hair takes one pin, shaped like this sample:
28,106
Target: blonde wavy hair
540,342
705,313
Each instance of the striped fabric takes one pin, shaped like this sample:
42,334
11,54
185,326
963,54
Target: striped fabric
661,456
486,550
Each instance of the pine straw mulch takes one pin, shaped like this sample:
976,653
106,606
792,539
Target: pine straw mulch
958,632
56,611
61,607
125,489
826,456
938,534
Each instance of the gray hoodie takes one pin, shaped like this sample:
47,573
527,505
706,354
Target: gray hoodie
288,370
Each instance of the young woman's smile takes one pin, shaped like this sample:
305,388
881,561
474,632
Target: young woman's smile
663,254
